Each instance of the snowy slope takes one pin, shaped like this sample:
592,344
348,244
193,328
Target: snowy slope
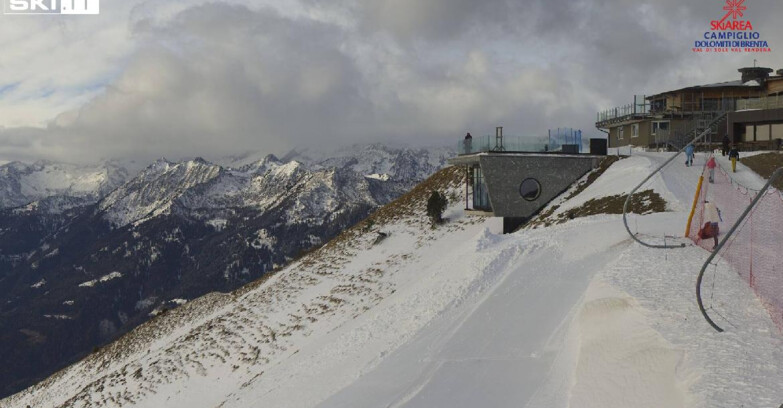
155,189
573,315
312,196
22,183
319,182
379,161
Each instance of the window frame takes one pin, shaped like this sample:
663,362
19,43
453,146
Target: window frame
538,189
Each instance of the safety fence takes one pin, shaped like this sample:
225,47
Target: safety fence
754,250
564,140
481,144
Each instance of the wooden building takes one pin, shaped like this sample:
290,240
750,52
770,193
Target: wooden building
670,119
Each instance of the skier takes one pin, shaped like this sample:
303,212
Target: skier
711,165
711,218
689,155
734,156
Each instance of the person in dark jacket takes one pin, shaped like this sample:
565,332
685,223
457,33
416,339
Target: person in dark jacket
734,156
468,144
726,144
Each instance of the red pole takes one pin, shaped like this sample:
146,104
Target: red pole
750,277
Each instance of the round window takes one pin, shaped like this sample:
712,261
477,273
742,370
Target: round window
530,189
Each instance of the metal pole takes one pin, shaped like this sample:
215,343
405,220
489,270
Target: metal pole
717,249
467,181
630,195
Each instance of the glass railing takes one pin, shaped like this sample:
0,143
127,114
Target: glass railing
770,102
526,144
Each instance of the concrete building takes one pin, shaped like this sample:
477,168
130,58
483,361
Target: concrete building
517,185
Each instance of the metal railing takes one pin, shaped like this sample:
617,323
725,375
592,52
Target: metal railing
686,104
483,144
769,102
693,103
640,106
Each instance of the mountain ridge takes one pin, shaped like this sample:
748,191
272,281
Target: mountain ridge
204,313
173,232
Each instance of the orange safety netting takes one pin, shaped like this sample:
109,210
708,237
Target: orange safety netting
755,250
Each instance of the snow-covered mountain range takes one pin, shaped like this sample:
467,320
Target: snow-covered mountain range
88,253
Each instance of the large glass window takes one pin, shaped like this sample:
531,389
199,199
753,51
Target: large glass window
762,132
480,194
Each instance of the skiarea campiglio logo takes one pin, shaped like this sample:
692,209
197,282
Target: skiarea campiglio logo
51,7
732,33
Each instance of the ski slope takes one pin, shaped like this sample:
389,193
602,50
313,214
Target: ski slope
492,351
567,316
573,315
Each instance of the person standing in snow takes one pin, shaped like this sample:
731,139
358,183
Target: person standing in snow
734,156
689,155
711,218
711,165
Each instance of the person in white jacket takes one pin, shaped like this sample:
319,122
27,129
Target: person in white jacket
711,217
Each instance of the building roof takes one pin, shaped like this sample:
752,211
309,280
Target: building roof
728,84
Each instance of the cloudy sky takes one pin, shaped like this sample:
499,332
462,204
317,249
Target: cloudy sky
179,78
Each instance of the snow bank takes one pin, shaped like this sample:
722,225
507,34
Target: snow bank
623,361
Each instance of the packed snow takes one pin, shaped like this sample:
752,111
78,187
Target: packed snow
572,315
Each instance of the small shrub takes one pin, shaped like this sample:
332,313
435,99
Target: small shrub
436,204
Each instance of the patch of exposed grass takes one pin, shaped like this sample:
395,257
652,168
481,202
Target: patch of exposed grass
410,204
545,218
645,202
764,165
